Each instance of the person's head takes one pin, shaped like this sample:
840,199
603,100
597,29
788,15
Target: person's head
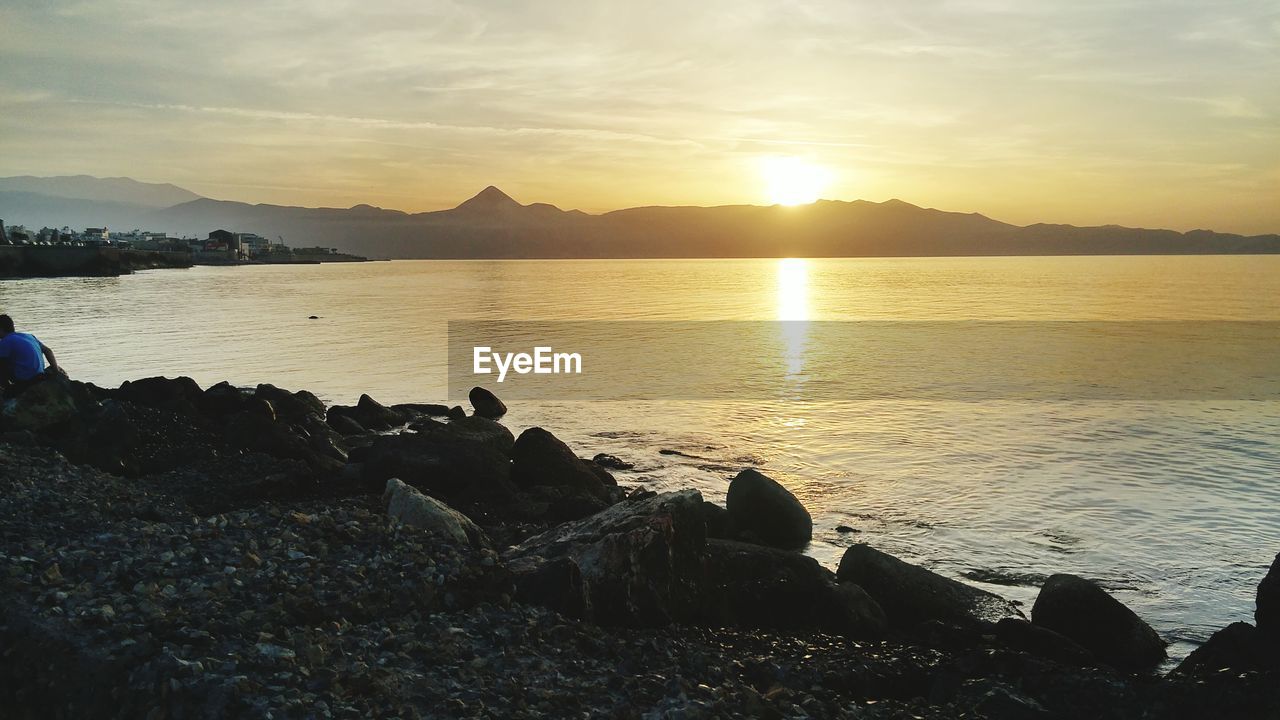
6,325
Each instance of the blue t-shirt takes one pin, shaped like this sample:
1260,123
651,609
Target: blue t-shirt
22,350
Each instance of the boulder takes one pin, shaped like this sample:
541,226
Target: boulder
179,395
41,406
414,509
641,560
223,399
1239,647
1018,634
1080,610
369,413
761,510
445,465
754,586
717,519
540,458
291,406
456,413
478,430
1267,610
611,462
345,425
422,409
486,404
554,584
911,595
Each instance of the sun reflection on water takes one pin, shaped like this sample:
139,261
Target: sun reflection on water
793,312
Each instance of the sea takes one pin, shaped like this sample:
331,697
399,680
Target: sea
1170,501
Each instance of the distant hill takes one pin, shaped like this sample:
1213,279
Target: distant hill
494,225
83,201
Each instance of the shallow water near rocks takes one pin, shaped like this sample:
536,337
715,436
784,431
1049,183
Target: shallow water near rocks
1169,504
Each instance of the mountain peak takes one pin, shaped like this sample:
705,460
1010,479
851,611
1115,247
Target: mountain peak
490,198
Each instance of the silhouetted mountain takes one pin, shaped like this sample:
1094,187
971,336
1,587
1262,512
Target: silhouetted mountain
121,190
493,225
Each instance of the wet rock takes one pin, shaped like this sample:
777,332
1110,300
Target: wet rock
486,404
291,406
414,509
346,425
1080,610
911,595
717,520
369,413
223,399
641,560
41,406
422,409
763,511
457,413
1018,634
474,429
1239,647
441,463
611,462
554,584
180,395
755,586
540,458
1267,611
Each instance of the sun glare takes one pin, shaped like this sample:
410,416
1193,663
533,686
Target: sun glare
793,181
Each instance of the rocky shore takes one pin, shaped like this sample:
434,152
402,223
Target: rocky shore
170,551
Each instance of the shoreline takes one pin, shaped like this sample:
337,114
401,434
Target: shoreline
233,547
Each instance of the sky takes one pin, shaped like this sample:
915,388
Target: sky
1155,114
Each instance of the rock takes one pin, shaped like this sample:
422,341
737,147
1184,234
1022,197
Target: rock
179,395
223,399
717,520
443,464
425,409
555,584
611,462
1080,610
479,430
291,406
911,595
369,413
763,511
1238,647
41,406
456,413
1018,634
414,509
346,425
540,458
641,560
1267,610
486,404
760,587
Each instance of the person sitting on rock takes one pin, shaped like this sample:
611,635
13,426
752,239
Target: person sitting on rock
22,359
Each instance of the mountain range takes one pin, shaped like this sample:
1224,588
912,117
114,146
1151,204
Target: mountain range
493,225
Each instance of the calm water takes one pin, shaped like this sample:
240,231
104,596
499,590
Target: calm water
1170,504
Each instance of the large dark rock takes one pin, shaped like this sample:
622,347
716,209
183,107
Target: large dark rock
1238,647
180,395
762,511
223,399
422,409
291,406
755,586
540,458
460,469
41,406
1080,610
1027,637
369,413
479,430
1267,612
717,519
555,584
641,560
486,404
911,595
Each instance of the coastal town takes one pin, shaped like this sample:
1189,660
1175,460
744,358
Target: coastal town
99,251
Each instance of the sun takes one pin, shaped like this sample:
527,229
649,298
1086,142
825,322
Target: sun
792,180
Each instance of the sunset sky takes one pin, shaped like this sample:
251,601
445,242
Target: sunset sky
1160,114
